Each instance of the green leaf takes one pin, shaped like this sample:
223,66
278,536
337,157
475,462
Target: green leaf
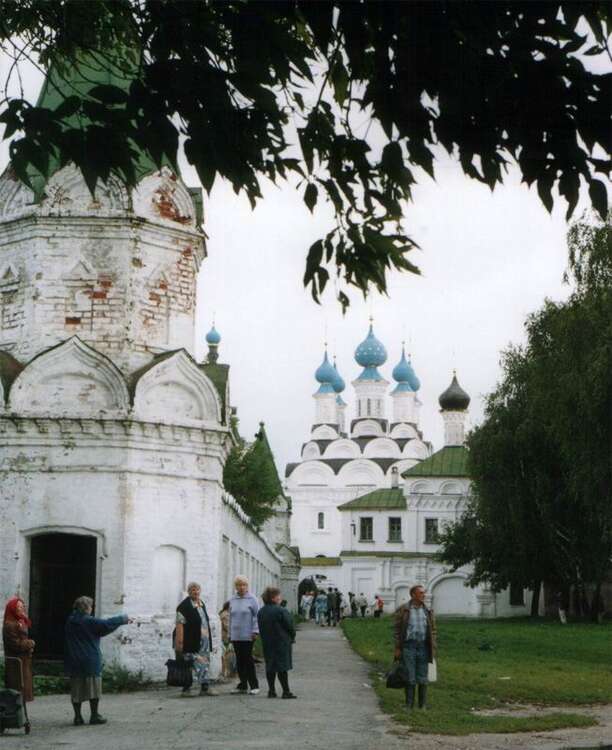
599,197
310,196
340,80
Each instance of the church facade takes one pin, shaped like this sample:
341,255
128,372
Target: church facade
370,501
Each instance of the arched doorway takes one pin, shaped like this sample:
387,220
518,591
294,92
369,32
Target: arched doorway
62,568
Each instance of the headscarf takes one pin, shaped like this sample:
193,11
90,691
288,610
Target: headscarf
10,613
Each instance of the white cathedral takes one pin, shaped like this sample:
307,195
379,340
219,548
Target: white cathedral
370,496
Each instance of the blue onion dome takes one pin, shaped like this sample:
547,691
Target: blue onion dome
370,353
213,337
339,385
454,397
326,375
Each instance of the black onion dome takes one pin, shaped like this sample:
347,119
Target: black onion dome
454,397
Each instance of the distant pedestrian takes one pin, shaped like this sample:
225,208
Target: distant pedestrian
353,604
362,603
228,660
415,643
306,604
320,608
379,606
277,636
243,634
17,644
338,605
331,607
83,657
193,638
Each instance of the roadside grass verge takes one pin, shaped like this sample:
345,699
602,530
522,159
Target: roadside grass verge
489,664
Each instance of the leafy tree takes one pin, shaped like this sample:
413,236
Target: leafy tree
542,475
250,476
293,87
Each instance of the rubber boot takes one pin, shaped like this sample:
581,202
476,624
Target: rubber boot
409,690
95,716
423,696
78,717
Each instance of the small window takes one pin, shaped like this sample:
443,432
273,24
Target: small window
395,529
369,409
517,595
366,530
359,408
431,531
320,520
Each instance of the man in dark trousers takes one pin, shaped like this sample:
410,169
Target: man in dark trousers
415,643
331,607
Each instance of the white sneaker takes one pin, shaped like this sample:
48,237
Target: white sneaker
254,691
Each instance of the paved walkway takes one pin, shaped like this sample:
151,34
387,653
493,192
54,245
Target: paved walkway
336,709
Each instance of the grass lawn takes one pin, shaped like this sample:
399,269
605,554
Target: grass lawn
484,664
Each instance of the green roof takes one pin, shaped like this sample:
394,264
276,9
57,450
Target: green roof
386,499
451,461
323,562
219,375
374,553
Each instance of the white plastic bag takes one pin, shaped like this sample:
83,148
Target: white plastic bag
432,671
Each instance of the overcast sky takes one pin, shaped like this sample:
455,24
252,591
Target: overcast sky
487,261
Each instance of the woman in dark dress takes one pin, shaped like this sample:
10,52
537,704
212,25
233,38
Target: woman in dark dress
277,636
17,644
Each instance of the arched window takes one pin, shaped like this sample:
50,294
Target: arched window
320,520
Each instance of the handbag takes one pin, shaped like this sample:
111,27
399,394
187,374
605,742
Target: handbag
179,673
396,678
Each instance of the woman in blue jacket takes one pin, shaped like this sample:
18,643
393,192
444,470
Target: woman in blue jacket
83,658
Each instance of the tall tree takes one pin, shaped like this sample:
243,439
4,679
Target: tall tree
541,462
250,475
293,87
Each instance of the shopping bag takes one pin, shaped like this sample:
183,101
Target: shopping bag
396,678
179,673
432,671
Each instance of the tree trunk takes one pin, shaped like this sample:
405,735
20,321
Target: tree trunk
596,608
535,599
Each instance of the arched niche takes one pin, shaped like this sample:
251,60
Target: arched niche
404,431
72,380
66,193
162,196
310,451
167,578
314,473
422,487
361,472
324,432
450,595
367,427
176,391
451,488
415,449
342,448
382,448
15,198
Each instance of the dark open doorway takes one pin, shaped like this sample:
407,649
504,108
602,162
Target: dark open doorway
62,568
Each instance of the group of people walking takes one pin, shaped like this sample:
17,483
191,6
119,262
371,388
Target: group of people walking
329,607
242,622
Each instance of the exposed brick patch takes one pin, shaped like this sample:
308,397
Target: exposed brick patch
154,297
136,262
73,321
166,207
99,295
106,283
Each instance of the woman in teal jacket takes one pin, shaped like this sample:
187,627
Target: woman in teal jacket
83,657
